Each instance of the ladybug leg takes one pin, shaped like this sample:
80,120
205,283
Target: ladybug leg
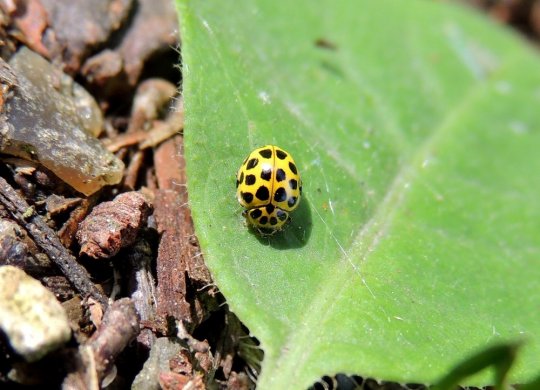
266,232
245,215
287,222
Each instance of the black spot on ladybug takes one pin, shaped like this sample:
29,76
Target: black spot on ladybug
241,180
250,180
253,163
293,168
269,208
247,196
237,182
281,154
273,221
266,174
266,153
256,213
293,184
282,215
263,220
262,193
292,201
280,195
280,175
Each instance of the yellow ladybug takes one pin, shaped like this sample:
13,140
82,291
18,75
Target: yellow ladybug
269,187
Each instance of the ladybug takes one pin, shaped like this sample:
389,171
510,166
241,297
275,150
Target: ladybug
269,187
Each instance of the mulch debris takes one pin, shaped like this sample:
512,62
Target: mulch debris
122,259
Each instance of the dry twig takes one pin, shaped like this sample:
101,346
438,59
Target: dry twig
49,242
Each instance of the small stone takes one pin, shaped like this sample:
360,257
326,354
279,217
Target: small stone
163,350
48,118
12,249
34,322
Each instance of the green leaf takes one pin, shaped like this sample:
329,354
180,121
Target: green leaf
415,127
533,385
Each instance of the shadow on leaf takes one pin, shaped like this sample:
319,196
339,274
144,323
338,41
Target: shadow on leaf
295,235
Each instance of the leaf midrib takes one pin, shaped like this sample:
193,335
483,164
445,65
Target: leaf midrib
290,363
